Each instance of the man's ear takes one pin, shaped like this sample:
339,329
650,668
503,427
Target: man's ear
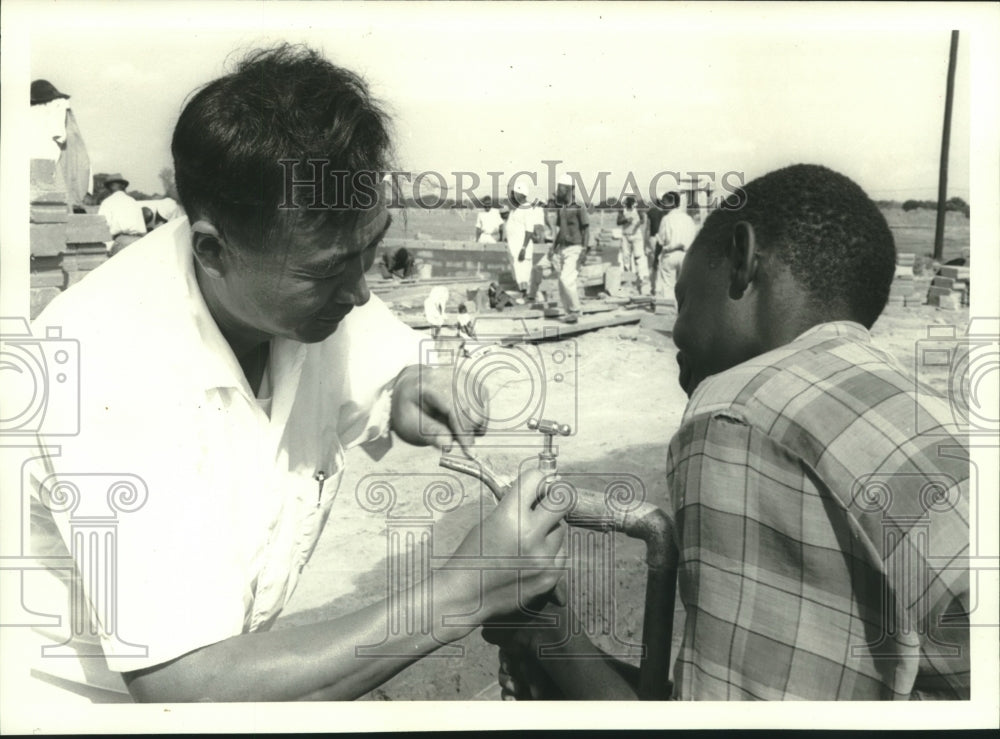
206,242
743,260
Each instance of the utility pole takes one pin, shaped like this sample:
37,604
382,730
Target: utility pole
945,137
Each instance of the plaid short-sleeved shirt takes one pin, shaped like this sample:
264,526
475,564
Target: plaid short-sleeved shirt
823,536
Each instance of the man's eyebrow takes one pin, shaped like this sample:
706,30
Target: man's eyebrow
343,257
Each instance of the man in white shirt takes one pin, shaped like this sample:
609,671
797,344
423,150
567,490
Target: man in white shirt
525,224
676,233
123,214
48,121
226,364
488,223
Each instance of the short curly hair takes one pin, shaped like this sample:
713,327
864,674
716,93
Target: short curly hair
824,227
281,103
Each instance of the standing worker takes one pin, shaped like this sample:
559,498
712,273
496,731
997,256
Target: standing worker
525,226
569,250
676,233
123,213
632,256
488,223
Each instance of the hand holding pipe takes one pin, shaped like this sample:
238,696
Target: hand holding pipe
647,522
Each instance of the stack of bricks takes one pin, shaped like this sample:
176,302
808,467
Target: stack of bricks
608,241
902,292
64,246
950,288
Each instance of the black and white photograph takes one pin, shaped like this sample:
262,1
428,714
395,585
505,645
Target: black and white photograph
530,354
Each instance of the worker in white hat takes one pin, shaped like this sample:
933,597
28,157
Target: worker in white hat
569,250
525,226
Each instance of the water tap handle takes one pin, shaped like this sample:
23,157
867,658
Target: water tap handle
547,457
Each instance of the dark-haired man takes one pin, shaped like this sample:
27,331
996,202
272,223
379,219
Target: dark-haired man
822,536
675,233
229,360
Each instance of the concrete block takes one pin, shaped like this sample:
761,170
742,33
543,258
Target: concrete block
42,196
906,258
41,297
50,213
87,229
956,273
898,300
901,288
83,262
43,173
47,239
48,278
938,291
914,300
949,302
943,282
74,277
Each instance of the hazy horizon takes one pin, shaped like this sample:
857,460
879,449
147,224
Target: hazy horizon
465,97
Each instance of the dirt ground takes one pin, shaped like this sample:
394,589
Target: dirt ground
618,388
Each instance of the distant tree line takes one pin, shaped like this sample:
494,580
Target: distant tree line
955,204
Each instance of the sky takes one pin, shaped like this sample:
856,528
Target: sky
639,88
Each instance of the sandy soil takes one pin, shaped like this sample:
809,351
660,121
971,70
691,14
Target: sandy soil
618,388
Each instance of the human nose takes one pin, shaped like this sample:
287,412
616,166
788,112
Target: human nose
355,289
355,293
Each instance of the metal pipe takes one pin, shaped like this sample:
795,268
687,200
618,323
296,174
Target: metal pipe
590,509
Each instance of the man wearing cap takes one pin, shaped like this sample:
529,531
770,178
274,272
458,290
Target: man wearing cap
525,225
55,136
123,214
570,248
48,120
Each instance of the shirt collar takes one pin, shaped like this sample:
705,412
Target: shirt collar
824,331
213,363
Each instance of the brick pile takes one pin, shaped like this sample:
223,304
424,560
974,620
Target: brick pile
902,292
65,246
950,288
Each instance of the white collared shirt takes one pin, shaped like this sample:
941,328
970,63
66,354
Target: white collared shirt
523,219
489,222
677,228
233,508
123,213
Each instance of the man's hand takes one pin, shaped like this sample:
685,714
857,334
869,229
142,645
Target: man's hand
521,254
583,257
425,410
520,546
